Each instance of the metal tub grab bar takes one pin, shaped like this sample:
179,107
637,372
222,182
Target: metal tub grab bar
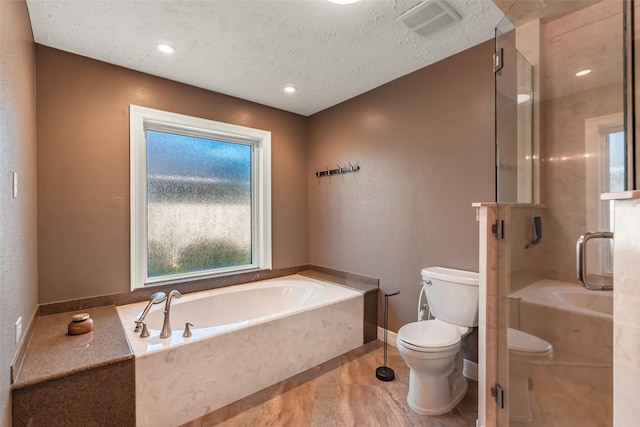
581,259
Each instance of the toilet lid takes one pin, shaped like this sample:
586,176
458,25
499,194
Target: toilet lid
429,333
527,343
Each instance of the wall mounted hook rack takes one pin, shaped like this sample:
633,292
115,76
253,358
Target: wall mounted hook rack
339,170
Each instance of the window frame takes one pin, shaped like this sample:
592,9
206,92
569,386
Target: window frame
143,118
606,206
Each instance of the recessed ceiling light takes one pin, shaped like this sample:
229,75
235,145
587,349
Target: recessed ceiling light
582,73
165,48
290,89
343,1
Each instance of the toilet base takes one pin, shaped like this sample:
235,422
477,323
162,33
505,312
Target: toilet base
458,391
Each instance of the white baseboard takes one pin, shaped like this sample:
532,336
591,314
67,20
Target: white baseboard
391,336
469,368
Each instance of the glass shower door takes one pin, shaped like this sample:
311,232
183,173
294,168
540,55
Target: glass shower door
554,157
514,120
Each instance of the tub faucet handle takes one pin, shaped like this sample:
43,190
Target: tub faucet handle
143,326
187,331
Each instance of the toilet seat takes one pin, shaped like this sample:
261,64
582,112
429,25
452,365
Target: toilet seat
527,344
430,336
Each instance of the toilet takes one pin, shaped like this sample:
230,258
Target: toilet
524,348
431,348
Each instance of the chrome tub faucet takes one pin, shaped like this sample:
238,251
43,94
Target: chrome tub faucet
166,326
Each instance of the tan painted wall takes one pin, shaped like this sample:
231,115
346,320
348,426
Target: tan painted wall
424,141
83,168
425,146
18,248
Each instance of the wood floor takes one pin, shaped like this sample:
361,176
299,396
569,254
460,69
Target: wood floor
341,392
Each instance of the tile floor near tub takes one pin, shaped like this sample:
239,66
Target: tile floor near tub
341,392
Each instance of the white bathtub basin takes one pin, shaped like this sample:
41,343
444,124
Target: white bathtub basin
222,310
599,301
568,296
576,321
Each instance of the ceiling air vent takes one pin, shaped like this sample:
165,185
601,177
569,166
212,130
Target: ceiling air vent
429,17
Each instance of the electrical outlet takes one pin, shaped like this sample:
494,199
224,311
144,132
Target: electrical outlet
18,329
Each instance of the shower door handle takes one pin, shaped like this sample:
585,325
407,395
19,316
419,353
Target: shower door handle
581,258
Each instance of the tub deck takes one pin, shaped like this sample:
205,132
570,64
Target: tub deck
58,368
224,362
51,368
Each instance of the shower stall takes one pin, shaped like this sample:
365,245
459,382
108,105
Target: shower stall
560,143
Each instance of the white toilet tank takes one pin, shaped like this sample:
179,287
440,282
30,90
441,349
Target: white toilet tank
452,295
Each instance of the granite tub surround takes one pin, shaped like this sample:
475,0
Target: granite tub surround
52,369
91,376
343,278
191,377
369,285
343,391
103,396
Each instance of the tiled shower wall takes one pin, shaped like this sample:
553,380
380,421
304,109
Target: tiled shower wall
626,320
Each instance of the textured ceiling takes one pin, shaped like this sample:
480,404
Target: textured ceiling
251,49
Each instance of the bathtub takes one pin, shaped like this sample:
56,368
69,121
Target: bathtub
568,296
576,321
245,338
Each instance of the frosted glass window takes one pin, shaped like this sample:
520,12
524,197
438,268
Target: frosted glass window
200,197
198,204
